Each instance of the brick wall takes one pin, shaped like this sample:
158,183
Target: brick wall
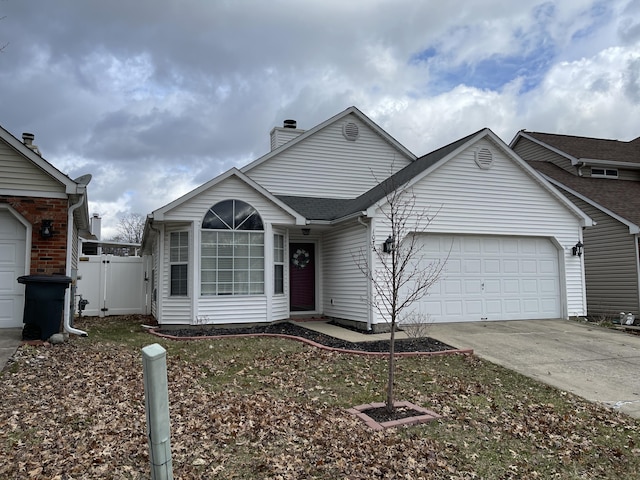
48,255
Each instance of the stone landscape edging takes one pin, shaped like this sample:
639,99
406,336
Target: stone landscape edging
467,351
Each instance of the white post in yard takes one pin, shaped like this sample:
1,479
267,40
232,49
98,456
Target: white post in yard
154,369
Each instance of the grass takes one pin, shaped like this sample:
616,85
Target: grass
275,408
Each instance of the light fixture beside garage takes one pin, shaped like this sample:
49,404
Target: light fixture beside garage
577,249
46,228
389,245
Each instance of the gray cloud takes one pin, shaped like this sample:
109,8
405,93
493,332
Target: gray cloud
155,97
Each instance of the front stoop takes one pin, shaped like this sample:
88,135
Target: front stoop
424,417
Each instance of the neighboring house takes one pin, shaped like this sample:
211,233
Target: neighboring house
278,237
601,177
42,213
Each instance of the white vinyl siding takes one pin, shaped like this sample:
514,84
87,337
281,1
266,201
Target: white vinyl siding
21,175
328,165
225,309
345,290
462,198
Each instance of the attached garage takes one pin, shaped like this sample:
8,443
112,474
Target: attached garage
492,278
12,265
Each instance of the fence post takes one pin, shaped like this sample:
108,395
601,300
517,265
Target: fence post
154,369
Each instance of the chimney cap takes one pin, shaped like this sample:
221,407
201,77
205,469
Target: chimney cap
290,124
28,137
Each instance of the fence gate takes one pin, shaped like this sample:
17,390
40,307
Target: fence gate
113,285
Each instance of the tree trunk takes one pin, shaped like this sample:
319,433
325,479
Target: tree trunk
391,364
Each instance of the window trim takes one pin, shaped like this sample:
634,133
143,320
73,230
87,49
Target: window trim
179,262
604,172
245,247
279,264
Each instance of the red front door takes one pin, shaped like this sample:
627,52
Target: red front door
302,277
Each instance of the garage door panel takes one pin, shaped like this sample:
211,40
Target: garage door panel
453,287
511,286
453,308
472,287
494,278
549,305
492,286
548,285
529,286
472,266
12,265
547,266
512,306
531,305
472,307
529,266
453,266
510,266
492,265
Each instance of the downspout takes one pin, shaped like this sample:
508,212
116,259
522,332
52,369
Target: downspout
369,280
67,296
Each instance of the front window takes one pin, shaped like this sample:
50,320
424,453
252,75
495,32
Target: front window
178,259
278,264
604,172
232,250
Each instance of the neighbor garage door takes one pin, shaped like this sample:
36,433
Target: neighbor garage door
12,265
492,278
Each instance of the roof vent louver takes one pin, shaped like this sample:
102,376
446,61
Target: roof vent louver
484,158
350,131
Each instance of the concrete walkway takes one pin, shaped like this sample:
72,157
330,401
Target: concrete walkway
598,364
10,338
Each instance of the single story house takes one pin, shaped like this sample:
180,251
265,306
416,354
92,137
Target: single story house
280,236
42,214
602,178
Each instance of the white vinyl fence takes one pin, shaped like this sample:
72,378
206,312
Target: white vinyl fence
112,285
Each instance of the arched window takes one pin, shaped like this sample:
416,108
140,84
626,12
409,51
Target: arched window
232,251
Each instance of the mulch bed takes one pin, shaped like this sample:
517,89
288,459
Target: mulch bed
424,344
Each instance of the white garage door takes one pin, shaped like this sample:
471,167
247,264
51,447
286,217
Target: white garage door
12,265
492,278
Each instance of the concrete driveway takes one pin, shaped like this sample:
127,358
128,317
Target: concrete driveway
598,364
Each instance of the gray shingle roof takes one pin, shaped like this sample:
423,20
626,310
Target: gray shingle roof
622,197
593,148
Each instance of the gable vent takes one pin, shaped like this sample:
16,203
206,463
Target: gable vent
484,158
350,131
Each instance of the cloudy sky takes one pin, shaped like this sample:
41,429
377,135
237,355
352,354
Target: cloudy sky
155,97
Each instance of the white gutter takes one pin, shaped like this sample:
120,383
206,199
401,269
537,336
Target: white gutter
67,296
369,280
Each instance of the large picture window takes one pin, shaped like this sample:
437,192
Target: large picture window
178,260
232,250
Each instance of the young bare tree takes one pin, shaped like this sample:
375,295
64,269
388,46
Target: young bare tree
398,270
130,228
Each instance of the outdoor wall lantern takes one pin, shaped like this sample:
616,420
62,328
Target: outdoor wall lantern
46,229
577,250
306,231
388,245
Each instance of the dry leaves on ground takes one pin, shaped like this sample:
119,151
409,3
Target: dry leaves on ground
276,409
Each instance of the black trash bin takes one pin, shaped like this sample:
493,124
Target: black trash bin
43,305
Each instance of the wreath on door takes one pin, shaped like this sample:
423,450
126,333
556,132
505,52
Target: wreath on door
301,258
